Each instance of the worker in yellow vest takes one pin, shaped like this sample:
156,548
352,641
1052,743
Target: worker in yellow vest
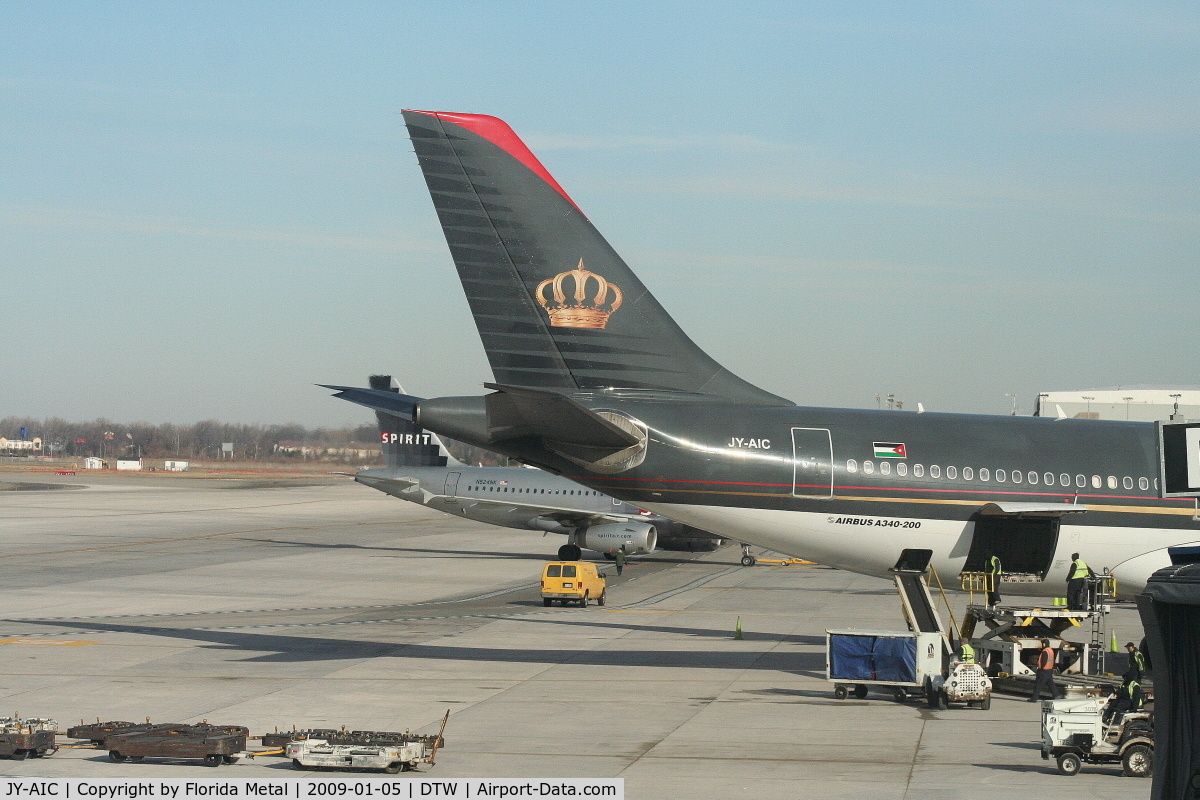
966,653
1077,577
993,570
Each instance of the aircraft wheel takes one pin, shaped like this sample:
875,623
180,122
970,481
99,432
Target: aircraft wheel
1069,764
749,561
546,601
569,552
1138,762
860,691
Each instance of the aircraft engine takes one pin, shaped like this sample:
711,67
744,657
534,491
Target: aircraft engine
632,537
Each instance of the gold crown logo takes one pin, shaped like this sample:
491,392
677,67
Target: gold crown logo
579,311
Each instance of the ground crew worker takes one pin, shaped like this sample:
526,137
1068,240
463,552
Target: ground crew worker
1044,673
1128,698
620,559
1137,663
1077,577
966,653
993,569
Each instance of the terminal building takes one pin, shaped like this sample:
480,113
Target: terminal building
21,447
1137,403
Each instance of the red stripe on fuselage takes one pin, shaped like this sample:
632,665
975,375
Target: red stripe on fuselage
880,489
496,131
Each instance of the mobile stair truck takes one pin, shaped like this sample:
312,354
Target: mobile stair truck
906,663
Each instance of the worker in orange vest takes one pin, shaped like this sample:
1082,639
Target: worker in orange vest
1044,673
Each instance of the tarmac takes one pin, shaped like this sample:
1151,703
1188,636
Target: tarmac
316,602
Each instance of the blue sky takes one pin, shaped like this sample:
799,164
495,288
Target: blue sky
206,208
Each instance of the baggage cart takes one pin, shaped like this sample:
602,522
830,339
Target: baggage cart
31,737
213,744
901,662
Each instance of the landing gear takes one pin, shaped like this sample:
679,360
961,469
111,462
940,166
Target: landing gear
569,552
747,559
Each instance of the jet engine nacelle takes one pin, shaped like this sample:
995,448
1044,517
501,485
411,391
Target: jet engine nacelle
632,537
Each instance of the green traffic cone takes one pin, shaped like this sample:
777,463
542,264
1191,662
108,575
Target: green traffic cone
737,629
1112,642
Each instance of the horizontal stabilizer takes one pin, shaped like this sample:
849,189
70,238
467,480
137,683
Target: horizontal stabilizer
398,405
518,411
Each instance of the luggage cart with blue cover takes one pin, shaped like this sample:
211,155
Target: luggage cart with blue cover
905,663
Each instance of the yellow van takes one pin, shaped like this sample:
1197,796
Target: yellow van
573,581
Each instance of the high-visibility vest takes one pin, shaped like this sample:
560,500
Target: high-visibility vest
1046,658
993,565
1139,660
1078,569
968,654
1131,692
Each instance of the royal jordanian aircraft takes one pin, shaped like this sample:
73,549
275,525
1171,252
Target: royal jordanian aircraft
594,381
419,469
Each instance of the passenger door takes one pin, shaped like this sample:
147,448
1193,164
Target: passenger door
812,462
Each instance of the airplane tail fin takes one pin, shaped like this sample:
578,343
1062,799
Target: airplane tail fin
406,444
555,305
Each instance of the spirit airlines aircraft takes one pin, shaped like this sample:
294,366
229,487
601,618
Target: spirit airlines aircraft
596,382
420,470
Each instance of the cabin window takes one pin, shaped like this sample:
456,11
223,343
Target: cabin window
968,474
1048,477
1064,479
852,466
1032,477
902,469
1000,476
1016,476
885,468
985,474
1080,481
1127,482
951,473
1143,484
1112,481
868,468
935,471
1096,482
918,471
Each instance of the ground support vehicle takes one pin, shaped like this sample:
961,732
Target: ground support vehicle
214,744
343,736
1073,732
1014,635
965,683
23,738
389,758
901,662
573,582
388,751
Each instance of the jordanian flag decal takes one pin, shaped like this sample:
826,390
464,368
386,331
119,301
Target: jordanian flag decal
890,450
